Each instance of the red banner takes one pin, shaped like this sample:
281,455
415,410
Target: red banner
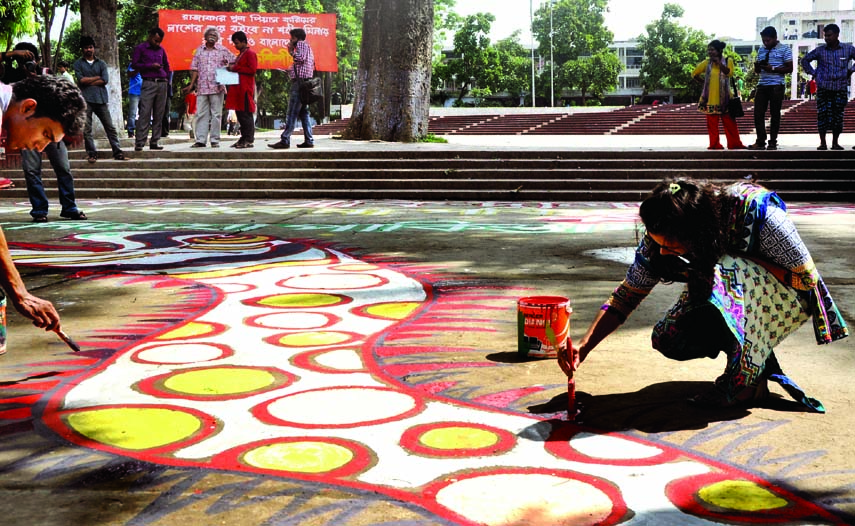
267,34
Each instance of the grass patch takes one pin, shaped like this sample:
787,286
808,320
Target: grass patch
433,138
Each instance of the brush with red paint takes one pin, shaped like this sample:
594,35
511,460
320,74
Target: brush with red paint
67,339
572,409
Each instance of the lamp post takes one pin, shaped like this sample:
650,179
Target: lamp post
551,61
531,13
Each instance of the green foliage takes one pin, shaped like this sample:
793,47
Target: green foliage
476,61
580,41
578,28
433,138
17,18
515,62
671,53
594,75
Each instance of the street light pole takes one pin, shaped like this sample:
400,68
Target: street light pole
531,13
551,61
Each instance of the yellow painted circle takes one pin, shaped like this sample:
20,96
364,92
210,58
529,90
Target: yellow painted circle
741,495
219,381
459,437
134,428
299,457
314,338
189,330
393,311
300,300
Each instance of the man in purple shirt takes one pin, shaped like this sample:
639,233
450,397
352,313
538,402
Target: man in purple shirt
303,68
151,62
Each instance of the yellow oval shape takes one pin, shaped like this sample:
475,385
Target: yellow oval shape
299,457
741,495
134,428
458,437
291,301
219,381
193,329
393,311
314,339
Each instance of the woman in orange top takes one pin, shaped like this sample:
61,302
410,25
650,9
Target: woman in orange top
241,96
715,74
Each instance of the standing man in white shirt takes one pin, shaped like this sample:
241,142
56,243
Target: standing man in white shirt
209,94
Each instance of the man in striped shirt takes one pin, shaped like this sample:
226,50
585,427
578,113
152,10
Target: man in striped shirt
303,68
774,61
832,74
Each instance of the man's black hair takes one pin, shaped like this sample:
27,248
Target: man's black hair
28,46
238,36
156,31
769,31
834,28
56,98
86,41
298,32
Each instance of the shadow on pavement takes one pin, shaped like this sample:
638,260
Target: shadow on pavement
657,408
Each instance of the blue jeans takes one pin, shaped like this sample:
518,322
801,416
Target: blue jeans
133,109
102,111
31,161
297,110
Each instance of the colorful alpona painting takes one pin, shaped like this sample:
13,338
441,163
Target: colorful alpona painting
290,359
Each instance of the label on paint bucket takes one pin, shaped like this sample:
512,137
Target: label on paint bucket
543,325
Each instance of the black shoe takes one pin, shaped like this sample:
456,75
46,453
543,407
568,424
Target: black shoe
74,216
39,219
215,145
198,145
155,147
305,145
757,146
137,148
279,145
773,145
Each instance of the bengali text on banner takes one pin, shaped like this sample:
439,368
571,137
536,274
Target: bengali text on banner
267,34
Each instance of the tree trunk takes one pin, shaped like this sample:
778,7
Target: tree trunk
98,20
392,84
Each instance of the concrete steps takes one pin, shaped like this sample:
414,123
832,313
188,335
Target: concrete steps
443,174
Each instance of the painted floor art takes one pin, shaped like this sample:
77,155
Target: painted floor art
285,362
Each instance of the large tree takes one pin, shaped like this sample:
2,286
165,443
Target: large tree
671,52
394,77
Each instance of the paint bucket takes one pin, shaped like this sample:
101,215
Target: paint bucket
543,325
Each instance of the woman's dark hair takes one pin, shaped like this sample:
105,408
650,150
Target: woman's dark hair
56,98
238,36
298,33
691,213
718,45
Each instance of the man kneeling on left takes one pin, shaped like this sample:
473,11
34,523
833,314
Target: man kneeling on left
34,112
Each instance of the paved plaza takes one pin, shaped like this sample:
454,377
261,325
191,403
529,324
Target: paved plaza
355,363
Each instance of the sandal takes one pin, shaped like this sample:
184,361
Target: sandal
92,158
245,145
75,216
120,157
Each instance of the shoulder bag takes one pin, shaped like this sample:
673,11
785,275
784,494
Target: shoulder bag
734,106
